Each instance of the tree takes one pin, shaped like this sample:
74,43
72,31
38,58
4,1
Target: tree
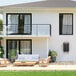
1,24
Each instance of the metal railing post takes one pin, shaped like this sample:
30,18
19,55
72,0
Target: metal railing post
37,29
50,30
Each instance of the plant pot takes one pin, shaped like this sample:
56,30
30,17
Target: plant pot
12,60
50,60
53,59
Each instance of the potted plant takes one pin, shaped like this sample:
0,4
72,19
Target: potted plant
1,52
12,55
1,26
53,55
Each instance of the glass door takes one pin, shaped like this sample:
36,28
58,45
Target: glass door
27,24
21,24
12,24
12,50
15,47
25,47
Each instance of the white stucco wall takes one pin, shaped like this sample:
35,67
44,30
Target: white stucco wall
56,40
39,46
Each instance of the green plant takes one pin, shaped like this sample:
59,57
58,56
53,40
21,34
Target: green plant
1,24
1,38
12,54
1,52
53,53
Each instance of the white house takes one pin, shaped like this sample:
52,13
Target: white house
37,27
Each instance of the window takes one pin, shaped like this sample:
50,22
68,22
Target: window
19,23
25,47
66,24
18,46
66,46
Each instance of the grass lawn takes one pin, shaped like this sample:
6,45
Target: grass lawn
37,73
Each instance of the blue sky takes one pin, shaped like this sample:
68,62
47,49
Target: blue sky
9,2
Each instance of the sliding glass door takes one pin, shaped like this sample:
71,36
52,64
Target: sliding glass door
12,49
19,23
15,47
27,24
25,47
12,24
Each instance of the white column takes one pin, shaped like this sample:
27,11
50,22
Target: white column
47,46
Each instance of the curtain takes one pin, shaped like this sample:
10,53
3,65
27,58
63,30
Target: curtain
25,47
67,24
12,24
27,24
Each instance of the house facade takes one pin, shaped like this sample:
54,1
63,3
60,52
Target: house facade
37,27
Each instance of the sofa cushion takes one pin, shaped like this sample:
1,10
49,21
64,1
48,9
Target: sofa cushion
23,57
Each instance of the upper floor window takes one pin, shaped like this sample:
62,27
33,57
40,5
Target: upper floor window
65,23
19,23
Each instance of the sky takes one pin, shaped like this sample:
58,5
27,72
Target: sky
9,2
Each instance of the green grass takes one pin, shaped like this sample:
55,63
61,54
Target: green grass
37,73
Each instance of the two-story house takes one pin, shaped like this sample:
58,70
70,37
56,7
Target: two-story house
37,27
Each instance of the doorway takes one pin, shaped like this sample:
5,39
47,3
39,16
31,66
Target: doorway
15,47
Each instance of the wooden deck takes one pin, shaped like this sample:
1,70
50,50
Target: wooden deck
51,67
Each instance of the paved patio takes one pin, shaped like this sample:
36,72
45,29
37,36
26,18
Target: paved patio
52,66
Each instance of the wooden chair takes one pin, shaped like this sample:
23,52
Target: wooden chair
4,62
44,62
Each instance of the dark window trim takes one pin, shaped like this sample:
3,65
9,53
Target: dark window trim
18,21
72,23
19,44
6,48
66,47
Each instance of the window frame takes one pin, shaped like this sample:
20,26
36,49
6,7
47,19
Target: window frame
59,23
18,40
30,14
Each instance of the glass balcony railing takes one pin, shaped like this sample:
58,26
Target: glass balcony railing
27,29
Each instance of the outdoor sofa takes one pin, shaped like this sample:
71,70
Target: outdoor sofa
26,60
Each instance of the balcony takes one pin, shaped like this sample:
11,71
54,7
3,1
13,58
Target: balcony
33,30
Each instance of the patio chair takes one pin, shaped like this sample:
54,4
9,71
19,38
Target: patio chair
26,60
4,62
44,62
